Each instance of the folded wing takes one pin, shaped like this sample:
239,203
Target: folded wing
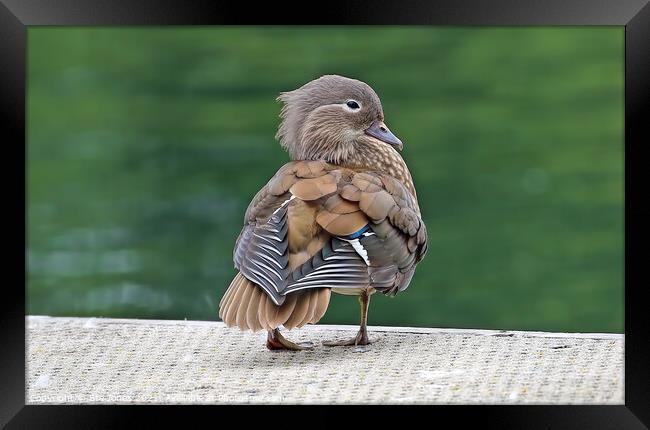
375,234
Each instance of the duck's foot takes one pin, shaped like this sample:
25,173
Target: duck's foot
361,339
275,342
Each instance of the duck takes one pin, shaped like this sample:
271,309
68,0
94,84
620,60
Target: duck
342,216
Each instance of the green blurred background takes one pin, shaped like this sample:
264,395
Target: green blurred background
145,146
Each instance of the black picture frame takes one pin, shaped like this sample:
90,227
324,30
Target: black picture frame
634,15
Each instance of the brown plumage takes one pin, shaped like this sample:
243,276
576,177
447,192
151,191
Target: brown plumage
342,216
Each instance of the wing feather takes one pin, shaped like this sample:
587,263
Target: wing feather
376,237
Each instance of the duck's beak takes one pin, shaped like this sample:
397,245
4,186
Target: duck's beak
379,131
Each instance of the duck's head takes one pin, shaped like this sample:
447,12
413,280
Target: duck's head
331,118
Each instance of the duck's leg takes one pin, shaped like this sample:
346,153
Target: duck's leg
362,337
275,341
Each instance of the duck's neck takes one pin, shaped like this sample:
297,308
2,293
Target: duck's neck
381,157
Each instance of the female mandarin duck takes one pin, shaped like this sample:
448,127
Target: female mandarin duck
342,216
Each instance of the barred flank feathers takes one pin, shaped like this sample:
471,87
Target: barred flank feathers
248,307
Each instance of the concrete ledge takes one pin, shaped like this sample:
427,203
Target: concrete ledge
99,361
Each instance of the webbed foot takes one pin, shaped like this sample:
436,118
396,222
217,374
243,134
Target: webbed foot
361,339
275,341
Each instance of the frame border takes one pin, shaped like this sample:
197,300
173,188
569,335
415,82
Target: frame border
634,15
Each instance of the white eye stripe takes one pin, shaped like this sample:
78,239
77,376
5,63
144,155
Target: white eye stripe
352,108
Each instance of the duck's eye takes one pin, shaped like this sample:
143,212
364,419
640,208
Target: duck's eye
352,104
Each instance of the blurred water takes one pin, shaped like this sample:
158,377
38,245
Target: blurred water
146,145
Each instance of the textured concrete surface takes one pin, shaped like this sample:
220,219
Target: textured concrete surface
97,360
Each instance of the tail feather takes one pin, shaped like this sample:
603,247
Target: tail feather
299,312
237,287
267,312
225,301
248,307
286,310
253,309
309,314
321,304
242,309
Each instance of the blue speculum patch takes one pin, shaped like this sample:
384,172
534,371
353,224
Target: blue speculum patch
358,233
